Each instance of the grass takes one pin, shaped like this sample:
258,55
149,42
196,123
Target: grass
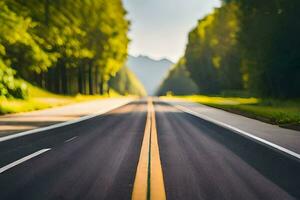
280,112
40,99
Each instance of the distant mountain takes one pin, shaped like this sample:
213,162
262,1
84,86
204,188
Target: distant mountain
149,71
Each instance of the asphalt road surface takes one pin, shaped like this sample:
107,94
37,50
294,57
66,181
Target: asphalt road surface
203,161
98,158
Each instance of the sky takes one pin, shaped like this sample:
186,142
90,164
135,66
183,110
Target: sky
160,28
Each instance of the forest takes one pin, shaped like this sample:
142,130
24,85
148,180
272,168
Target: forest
244,47
178,81
66,47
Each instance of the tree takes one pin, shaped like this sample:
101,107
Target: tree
178,81
125,82
269,42
251,45
212,55
66,47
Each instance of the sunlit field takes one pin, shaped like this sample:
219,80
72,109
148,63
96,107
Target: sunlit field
40,99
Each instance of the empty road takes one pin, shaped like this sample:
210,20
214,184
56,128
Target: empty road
144,150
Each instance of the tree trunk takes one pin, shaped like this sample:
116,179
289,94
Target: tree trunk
56,79
84,79
91,91
96,79
64,79
51,79
47,12
80,88
101,86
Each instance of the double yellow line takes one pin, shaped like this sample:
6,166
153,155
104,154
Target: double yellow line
149,182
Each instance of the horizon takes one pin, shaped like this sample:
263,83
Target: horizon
152,58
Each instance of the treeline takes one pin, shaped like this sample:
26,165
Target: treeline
64,46
125,82
250,46
178,81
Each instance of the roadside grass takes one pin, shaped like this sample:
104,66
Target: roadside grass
41,99
281,112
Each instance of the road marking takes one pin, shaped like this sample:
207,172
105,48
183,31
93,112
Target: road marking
239,131
17,162
157,188
69,140
149,183
140,187
37,130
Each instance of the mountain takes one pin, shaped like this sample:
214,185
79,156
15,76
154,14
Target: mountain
149,71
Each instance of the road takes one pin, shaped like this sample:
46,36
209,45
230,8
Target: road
144,151
20,122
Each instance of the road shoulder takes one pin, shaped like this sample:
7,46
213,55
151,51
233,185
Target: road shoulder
286,138
16,123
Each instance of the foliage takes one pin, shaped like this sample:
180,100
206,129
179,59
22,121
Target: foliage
65,47
125,82
178,81
212,55
9,86
247,45
269,40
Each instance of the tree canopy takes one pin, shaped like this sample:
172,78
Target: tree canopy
247,45
178,81
64,46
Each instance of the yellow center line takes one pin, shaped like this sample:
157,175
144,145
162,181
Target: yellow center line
140,187
157,187
149,183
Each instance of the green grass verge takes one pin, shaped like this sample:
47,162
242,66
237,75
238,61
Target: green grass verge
40,99
280,112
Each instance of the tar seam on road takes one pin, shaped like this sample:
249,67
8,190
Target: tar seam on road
69,140
149,183
24,159
239,131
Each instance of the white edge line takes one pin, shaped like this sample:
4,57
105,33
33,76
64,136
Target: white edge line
24,159
9,137
69,140
239,131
